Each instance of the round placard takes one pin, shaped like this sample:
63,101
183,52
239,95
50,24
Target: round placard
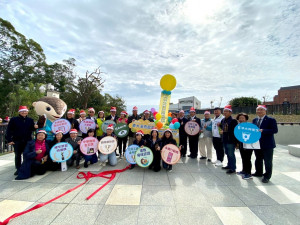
144,157
89,146
106,123
192,128
170,154
87,124
107,145
247,133
61,124
61,152
121,130
130,153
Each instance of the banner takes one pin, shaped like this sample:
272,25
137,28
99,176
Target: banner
164,106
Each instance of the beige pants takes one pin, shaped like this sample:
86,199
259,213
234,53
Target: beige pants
205,142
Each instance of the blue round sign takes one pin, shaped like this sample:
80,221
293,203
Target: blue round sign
130,153
61,152
247,133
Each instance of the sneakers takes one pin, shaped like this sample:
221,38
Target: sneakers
219,163
121,156
202,157
241,173
102,163
247,176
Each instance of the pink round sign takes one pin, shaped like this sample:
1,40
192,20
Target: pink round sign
61,124
192,128
89,146
170,154
87,124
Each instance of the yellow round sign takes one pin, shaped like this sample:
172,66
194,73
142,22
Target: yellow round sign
168,82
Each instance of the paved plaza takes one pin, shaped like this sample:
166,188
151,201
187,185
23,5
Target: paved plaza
195,192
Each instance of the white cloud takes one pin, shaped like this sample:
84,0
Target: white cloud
214,48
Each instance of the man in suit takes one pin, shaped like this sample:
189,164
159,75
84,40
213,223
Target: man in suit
193,140
182,134
267,127
112,116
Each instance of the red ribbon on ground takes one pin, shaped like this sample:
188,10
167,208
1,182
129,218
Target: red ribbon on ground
110,175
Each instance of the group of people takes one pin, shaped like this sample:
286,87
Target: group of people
217,132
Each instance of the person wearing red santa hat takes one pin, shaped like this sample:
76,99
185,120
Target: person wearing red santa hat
217,138
74,123
131,119
146,116
193,140
122,141
7,119
182,134
229,140
91,112
139,141
100,120
75,141
206,140
112,116
19,132
268,127
166,139
82,116
153,143
112,158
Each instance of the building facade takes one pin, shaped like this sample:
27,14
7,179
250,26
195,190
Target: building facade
185,104
287,94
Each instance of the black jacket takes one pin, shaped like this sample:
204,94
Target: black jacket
269,127
20,129
130,119
228,125
109,118
74,125
182,122
74,144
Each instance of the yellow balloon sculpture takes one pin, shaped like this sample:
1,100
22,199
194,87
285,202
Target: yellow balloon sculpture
168,82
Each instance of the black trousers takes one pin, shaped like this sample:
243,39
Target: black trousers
19,147
218,145
155,165
246,160
122,144
266,156
183,142
75,157
38,168
193,143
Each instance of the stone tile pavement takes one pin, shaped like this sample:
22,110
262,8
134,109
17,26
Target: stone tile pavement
195,192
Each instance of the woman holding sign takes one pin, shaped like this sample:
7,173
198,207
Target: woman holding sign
53,166
138,141
90,158
35,155
100,120
122,141
153,143
167,139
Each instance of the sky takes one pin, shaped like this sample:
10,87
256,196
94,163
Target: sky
216,49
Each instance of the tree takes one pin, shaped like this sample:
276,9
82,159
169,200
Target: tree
244,101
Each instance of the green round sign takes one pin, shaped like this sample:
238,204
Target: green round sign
144,157
106,123
121,130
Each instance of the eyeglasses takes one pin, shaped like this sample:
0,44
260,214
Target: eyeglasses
91,111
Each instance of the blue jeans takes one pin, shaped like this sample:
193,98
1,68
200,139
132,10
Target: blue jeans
229,151
112,158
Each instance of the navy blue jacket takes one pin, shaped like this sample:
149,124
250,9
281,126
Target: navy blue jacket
29,157
269,127
20,129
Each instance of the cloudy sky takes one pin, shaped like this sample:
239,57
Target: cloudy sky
215,48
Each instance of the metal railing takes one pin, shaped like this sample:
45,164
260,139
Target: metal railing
4,147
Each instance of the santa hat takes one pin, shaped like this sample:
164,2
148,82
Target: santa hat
169,130
154,129
110,127
73,131
59,131
123,113
181,111
101,111
0,120
135,108
41,131
146,112
192,109
140,132
71,111
82,112
7,118
207,112
23,108
227,107
113,109
261,107
91,109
